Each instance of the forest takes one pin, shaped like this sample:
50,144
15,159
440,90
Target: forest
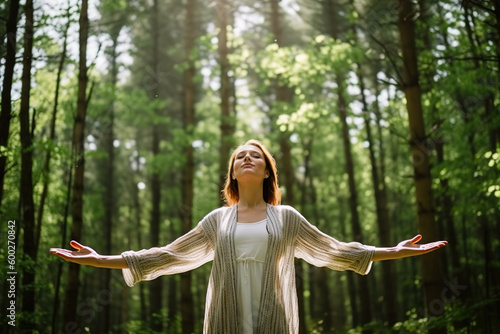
118,119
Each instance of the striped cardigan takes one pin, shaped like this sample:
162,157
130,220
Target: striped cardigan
290,235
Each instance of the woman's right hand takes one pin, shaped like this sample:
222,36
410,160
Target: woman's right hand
83,255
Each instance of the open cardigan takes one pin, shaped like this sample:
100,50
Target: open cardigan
290,235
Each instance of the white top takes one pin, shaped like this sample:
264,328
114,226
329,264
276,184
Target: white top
250,242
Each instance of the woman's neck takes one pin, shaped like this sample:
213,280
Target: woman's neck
250,196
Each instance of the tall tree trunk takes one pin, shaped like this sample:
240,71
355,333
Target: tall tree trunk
494,143
138,213
227,121
331,23
52,135
172,299
445,214
71,297
387,269
364,292
445,200
389,284
496,6
109,182
6,109
283,95
305,202
156,286
6,104
431,268
320,275
451,234
64,229
187,305
28,211
351,286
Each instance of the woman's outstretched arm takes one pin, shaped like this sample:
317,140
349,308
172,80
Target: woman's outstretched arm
406,248
86,256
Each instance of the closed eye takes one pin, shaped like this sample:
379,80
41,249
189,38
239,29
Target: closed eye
241,156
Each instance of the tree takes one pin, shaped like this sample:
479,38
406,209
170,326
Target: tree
332,22
72,286
379,188
431,268
284,96
227,119
155,291
6,104
52,135
27,204
116,13
187,306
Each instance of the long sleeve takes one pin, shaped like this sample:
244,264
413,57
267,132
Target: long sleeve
188,252
322,250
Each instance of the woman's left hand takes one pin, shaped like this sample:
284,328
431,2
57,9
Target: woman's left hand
407,248
410,247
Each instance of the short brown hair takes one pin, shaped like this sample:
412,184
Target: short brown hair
272,192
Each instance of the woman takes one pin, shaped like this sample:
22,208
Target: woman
252,242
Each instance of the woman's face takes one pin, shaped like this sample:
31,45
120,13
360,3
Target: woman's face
249,163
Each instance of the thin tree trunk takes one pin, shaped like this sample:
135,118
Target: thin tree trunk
283,95
496,5
187,306
64,229
71,297
351,286
109,182
305,201
172,299
156,286
446,202
364,292
6,108
52,136
488,111
6,104
28,210
446,216
431,268
331,22
227,121
138,213
321,274
388,282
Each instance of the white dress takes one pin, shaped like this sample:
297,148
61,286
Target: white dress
250,242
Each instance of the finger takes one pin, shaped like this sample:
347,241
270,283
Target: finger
75,245
58,251
64,253
416,239
433,246
438,244
61,255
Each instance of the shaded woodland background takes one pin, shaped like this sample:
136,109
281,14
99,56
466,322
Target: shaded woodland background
117,119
